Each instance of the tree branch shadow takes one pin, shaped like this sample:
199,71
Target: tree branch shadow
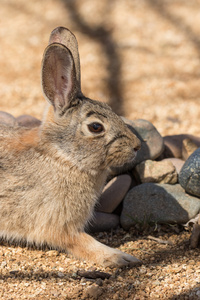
161,8
103,36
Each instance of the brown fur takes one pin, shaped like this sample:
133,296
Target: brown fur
28,139
52,176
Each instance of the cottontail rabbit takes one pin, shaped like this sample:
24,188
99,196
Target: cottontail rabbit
52,175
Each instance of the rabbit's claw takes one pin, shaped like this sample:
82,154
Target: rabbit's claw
121,259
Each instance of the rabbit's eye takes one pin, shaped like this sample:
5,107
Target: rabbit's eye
96,127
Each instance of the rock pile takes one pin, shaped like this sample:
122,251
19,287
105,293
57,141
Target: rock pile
162,185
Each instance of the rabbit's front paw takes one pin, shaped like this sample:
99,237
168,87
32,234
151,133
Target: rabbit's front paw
119,259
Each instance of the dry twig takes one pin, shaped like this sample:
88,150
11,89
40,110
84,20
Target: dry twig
160,241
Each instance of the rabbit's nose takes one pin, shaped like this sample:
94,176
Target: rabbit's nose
137,145
136,148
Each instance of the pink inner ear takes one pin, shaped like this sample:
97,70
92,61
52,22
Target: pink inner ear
63,88
57,75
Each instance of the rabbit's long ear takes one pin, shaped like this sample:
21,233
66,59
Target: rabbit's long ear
59,76
64,36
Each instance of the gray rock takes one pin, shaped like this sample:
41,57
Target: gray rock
152,144
157,171
158,203
189,177
102,222
113,193
8,119
28,121
177,163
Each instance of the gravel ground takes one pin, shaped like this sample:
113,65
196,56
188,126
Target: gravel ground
143,58
170,270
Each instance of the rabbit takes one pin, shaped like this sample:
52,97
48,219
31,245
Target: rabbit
52,175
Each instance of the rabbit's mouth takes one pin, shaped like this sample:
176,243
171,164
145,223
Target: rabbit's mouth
124,165
121,159
131,158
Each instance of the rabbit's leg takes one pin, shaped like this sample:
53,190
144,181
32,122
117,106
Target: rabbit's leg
86,247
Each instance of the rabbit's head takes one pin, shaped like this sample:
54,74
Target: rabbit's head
85,132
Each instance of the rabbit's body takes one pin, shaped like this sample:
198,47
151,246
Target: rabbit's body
43,188
51,176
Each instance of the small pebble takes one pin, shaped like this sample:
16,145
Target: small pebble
61,275
52,253
93,291
99,282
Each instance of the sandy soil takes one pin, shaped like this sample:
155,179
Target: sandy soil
143,58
